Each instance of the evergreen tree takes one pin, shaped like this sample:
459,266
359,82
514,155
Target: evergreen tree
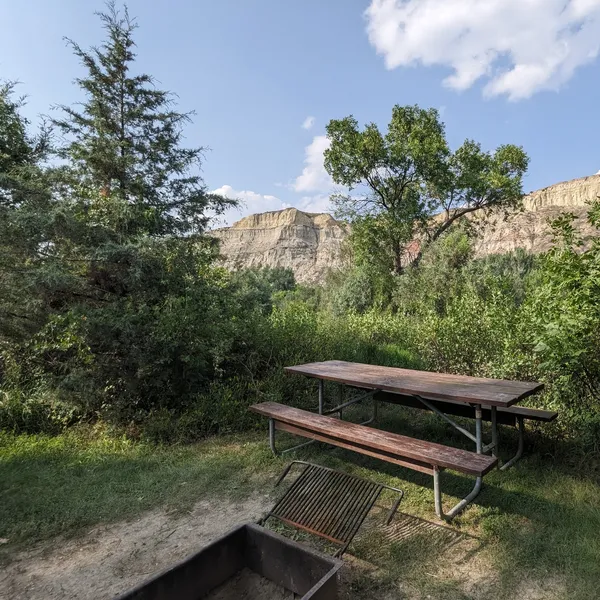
129,313
24,215
124,164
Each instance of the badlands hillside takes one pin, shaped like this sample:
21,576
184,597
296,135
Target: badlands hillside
311,244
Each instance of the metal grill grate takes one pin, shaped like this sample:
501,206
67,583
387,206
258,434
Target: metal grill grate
328,503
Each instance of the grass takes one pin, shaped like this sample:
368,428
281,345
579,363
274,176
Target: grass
59,485
535,525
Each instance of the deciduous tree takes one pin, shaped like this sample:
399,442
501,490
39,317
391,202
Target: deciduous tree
408,183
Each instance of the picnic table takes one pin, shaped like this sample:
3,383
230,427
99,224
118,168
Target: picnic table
482,399
438,392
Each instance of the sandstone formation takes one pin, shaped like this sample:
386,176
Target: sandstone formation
311,244
528,228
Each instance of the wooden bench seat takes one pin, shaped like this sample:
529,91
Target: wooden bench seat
420,455
416,453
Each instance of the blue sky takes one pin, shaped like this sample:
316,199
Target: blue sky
500,71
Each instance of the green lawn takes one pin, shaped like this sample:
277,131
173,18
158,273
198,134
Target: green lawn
58,485
538,523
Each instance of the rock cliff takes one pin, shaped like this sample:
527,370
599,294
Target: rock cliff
311,244
528,228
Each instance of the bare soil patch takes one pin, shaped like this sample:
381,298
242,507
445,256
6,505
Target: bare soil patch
109,560
247,585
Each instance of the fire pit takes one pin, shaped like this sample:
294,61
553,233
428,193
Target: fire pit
248,562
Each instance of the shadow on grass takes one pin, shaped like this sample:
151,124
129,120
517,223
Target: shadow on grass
540,520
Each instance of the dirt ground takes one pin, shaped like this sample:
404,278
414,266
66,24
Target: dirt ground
109,560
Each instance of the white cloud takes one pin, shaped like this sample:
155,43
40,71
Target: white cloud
313,186
314,178
315,204
308,123
250,203
519,46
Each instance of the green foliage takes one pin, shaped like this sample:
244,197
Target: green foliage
439,277
515,272
356,292
259,286
124,167
24,207
400,181
565,312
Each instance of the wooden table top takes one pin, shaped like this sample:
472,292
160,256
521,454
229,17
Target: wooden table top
429,385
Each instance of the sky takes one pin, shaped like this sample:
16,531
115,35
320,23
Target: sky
264,77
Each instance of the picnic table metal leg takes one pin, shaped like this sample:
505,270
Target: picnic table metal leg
478,429
439,510
517,456
321,395
374,417
338,409
273,447
494,432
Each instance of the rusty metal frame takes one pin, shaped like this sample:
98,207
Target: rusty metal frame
335,514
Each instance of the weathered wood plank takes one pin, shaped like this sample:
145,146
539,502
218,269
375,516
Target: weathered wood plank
411,464
430,385
383,442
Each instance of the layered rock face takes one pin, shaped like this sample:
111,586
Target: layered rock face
529,229
311,244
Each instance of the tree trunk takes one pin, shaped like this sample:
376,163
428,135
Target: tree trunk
398,255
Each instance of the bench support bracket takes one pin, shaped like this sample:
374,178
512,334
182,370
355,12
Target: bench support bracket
437,492
340,407
446,418
517,456
274,447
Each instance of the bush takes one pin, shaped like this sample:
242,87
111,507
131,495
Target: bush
34,411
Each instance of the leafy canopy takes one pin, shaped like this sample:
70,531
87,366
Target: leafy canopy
400,181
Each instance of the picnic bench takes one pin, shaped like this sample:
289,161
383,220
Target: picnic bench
420,455
480,398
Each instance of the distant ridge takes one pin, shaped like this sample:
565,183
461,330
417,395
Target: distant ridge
308,243
312,243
